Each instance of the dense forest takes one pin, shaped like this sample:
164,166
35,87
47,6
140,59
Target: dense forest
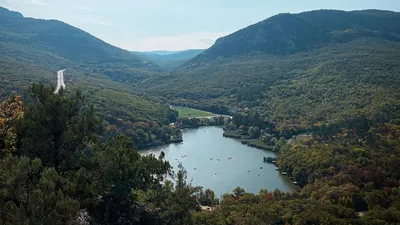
59,167
350,177
100,70
336,72
325,86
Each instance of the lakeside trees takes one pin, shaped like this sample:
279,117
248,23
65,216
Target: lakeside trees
350,177
106,181
56,169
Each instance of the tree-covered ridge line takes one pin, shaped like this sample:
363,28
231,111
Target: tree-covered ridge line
286,33
169,60
57,42
49,45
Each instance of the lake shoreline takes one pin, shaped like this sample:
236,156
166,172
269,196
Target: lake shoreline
246,140
221,164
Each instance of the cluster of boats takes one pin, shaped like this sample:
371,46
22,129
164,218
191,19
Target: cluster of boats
220,159
185,156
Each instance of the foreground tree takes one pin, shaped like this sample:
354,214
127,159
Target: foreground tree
58,129
56,169
31,194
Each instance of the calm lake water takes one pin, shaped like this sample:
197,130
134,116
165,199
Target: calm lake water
222,164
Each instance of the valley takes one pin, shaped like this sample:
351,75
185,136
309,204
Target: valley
156,137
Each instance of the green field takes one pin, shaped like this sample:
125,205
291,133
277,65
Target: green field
189,112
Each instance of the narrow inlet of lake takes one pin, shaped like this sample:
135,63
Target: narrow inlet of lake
221,164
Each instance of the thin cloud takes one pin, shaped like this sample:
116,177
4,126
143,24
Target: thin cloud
89,18
39,2
200,40
207,41
84,8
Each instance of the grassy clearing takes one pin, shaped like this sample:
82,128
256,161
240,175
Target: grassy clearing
189,112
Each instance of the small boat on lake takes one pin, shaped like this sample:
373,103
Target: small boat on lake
269,160
276,168
284,173
229,158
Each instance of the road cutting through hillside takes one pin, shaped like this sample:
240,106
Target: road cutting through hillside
60,81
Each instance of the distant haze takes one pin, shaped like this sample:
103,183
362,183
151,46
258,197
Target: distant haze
173,25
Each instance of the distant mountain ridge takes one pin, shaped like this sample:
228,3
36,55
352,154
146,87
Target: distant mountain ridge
170,59
5,12
290,33
161,52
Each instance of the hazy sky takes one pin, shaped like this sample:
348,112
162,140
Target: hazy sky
173,24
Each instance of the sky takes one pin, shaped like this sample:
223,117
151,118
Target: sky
148,25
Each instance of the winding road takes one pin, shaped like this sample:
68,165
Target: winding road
60,81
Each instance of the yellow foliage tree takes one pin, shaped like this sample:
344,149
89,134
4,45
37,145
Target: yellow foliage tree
11,111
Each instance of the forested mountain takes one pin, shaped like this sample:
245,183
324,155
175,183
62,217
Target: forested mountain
298,71
285,34
170,59
32,50
52,42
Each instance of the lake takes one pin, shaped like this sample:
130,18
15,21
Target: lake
221,164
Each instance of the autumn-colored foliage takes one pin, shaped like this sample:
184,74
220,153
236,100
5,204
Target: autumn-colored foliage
11,111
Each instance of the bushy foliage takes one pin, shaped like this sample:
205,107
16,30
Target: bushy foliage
347,178
58,170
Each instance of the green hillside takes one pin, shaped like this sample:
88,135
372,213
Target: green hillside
327,84
34,50
54,44
286,34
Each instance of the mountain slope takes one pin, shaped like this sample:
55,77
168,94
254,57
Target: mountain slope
290,33
334,81
53,43
33,50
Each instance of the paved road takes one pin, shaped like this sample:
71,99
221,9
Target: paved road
60,81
